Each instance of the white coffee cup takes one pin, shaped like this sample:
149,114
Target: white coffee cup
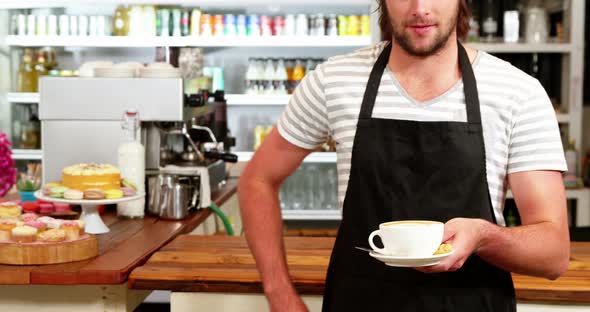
411,238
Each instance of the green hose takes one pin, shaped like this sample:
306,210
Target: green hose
228,228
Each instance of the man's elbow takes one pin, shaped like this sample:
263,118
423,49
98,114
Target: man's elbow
559,266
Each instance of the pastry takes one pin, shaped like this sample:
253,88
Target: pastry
46,208
29,217
94,194
81,224
59,207
24,234
6,227
9,209
50,222
58,191
39,225
128,191
31,207
88,176
73,194
54,235
72,229
114,194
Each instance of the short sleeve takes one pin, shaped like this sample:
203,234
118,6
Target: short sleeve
535,141
304,122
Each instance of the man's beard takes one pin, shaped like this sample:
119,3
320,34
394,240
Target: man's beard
405,42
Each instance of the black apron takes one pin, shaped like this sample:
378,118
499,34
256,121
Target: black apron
411,170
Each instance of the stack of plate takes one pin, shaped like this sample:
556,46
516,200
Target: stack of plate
113,72
151,72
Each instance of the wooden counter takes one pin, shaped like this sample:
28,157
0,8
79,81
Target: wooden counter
224,265
128,245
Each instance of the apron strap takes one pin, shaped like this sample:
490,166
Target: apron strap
469,85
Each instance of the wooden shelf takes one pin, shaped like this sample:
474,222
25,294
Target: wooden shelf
189,41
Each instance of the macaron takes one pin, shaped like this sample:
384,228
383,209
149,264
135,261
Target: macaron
59,207
31,207
113,194
128,183
46,208
94,194
73,194
128,191
57,191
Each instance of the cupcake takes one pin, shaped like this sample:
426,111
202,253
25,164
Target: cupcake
40,226
50,222
24,234
72,194
94,194
128,191
72,229
9,209
53,235
6,227
113,194
29,217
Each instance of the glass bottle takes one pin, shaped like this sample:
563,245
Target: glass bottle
40,70
280,78
131,162
25,77
490,20
121,21
298,73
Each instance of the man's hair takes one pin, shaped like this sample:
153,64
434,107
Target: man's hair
462,20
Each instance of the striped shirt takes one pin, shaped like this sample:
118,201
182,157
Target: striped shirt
519,124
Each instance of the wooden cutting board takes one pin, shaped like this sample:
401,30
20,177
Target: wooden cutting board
49,253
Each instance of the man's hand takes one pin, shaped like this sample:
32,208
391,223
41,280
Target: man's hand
286,300
465,235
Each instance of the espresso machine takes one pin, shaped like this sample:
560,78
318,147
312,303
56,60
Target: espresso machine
186,139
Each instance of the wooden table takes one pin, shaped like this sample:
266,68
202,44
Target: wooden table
128,245
222,265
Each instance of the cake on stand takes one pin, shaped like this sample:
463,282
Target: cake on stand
94,223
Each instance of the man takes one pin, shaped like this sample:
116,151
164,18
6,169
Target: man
426,130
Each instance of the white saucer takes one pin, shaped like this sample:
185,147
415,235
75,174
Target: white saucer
407,262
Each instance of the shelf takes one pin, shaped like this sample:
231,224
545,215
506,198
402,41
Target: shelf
323,215
563,118
569,193
553,46
139,42
26,98
27,154
19,4
312,158
254,99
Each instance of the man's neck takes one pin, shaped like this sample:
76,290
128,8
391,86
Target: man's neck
425,78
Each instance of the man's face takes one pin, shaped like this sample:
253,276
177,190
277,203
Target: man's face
422,27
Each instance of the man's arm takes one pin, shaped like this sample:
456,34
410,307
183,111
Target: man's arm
258,191
540,247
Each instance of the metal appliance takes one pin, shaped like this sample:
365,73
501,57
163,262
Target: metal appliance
184,136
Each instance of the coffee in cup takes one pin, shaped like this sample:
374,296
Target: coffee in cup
412,238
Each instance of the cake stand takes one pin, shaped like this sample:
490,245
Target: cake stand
94,223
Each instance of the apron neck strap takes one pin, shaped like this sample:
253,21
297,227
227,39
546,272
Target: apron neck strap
469,85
